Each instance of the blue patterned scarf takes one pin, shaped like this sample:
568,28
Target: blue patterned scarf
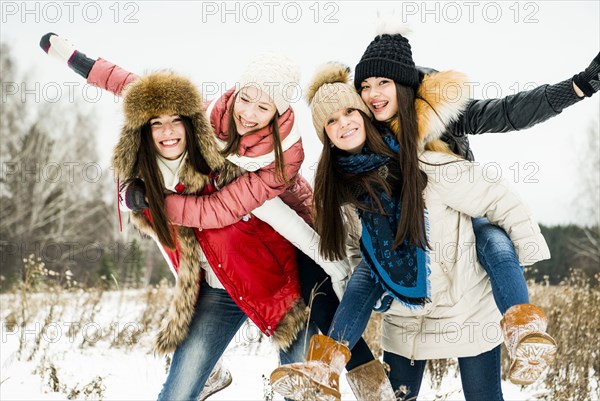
404,271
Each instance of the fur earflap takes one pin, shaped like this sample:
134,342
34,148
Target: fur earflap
391,24
328,73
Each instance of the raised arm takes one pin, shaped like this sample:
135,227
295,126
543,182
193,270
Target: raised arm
100,73
521,110
233,201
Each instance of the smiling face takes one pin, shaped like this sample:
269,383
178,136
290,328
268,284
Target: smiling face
346,130
168,135
253,109
379,94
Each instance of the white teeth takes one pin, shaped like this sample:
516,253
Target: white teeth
170,142
379,104
246,124
349,133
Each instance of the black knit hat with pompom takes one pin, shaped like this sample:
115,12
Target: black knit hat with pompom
389,55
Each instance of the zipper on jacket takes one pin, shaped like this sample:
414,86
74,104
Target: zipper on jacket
412,356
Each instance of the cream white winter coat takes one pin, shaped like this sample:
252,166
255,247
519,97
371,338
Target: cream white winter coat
462,319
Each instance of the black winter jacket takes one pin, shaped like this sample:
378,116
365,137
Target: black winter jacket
512,113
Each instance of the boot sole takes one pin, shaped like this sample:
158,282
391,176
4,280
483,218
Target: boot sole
300,387
534,355
203,396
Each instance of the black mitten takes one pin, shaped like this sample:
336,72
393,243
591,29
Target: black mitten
135,193
588,80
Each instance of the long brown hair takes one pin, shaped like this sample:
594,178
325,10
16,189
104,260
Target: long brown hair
149,172
233,141
334,188
412,217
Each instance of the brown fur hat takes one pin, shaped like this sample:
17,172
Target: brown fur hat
152,95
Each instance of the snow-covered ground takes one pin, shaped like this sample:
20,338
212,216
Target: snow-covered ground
65,369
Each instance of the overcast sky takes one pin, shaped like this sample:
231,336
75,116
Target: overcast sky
502,46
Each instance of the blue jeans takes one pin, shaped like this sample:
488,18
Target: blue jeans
497,255
353,314
480,375
324,305
216,321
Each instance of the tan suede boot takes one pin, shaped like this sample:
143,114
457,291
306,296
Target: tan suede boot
317,379
531,350
369,382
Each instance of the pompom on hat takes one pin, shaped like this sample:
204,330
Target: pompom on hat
389,55
330,91
275,74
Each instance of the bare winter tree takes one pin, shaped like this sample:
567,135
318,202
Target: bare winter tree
51,184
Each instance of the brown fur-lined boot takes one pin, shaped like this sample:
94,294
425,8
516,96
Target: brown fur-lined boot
531,350
369,382
317,379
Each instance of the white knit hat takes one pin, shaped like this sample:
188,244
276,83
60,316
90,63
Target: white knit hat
276,75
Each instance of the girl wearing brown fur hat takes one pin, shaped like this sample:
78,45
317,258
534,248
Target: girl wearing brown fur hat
168,143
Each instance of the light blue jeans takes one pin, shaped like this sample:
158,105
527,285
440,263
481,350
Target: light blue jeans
216,321
498,257
352,316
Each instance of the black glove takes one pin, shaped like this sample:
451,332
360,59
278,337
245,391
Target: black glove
135,193
589,79
60,47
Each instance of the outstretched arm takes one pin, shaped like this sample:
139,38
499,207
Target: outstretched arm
526,109
100,73
220,209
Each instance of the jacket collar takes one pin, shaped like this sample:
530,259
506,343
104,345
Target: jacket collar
441,98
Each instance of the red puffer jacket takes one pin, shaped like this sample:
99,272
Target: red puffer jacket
255,264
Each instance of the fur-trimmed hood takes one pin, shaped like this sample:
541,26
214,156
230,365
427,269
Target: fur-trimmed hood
150,96
441,99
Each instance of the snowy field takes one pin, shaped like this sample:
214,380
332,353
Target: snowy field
106,354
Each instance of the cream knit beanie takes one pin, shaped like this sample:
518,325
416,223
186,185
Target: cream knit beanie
276,75
329,91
